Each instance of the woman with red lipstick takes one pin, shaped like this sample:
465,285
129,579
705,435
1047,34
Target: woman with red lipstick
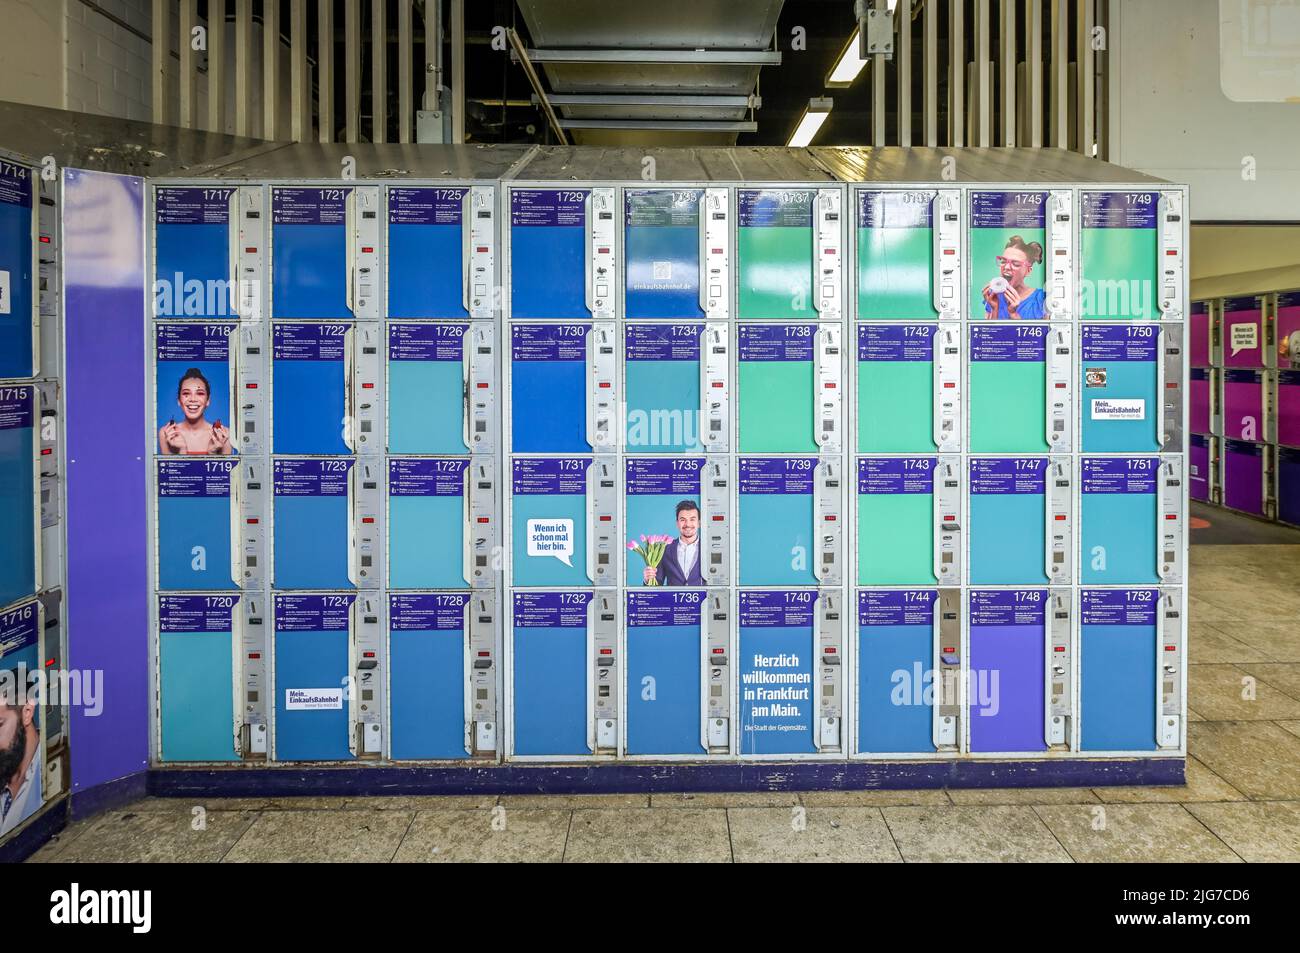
1007,296
193,435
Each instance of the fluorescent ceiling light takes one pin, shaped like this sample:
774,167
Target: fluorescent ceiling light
848,66
810,123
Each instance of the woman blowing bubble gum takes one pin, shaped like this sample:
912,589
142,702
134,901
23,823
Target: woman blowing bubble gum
1007,296
193,435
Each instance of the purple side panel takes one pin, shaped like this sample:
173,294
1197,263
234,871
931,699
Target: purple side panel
1288,414
1243,480
1199,479
108,571
1243,406
1288,486
1007,682
1200,339
1246,357
1198,395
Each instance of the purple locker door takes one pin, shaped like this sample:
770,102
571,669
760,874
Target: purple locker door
1288,329
1007,680
1288,485
1199,399
1243,405
1243,476
1199,464
1200,335
1288,408
1243,332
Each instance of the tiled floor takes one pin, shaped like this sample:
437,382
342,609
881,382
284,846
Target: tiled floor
1241,801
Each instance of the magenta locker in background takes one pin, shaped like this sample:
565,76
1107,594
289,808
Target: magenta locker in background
1199,322
1288,329
1199,399
1198,460
1243,404
1242,331
1288,408
1243,476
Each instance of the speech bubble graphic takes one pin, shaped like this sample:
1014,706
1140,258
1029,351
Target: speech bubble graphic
551,538
1245,337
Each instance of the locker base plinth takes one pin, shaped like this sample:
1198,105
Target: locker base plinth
658,777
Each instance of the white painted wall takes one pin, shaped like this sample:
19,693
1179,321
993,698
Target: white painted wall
1170,117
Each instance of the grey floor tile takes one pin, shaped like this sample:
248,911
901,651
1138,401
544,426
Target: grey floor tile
1202,785
973,834
423,802
981,796
1278,639
1284,676
573,802
504,835
1259,831
727,799
1229,693
1127,833
1257,758
641,835
822,834
1208,642
335,836
934,797
157,837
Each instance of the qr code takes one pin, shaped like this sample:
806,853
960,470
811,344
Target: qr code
663,271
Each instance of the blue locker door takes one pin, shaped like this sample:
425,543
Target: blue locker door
19,512
426,253
194,524
1118,520
426,388
777,680
661,246
192,268
776,521
1007,681
1122,409
662,385
549,501
1117,669
663,671
426,645
309,253
309,369
311,668
196,673
426,523
654,487
550,673
1008,521
548,384
896,677
312,524
548,232
195,389
17,186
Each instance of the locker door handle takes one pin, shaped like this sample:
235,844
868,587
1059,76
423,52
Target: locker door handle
588,255
236,674
233,245
813,286
1047,671
467,343
1158,647
589,662
1162,434
236,524
1048,522
466,222
702,298
466,684
349,680
704,682
467,527
352,526
590,360
234,347
936,672
813,657
349,399
589,515
350,243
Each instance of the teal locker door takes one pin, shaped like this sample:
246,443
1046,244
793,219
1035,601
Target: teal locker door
1008,521
663,518
313,524
427,520
1118,659
1005,255
896,521
896,388
196,678
1008,388
896,676
19,511
774,253
777,388
549,517
1119,256
777,668
777,545
662,373
312,644
1118,520
196,522
895,256
195,389
426,388
1122,403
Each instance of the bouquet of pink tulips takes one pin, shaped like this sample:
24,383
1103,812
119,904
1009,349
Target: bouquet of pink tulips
651,549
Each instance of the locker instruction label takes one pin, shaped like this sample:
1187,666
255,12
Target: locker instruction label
15,184
196,613
312,477
1112,343
425,206
1119,606
679,476
17,409
1008,342
676,607
659,208
194,478
776,208
1119,474
1008,209
548,342
530,208
896,474
777,342
193,342
311,613
564,610
192,206
1002,475
672,342
309,342
896,607
776,475
426,477
426,342
1120,209
896,342
894,209
443,611
549,476
1008,607
309,206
